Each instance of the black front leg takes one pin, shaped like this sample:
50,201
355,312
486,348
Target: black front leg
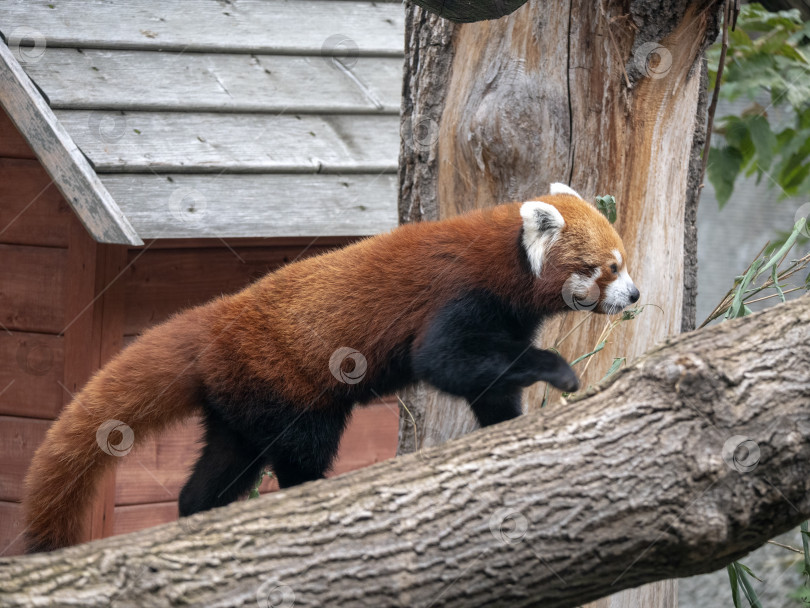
538,365
479,348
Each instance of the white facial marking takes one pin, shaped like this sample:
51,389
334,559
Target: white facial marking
618,255
542,224
580,292
558,188
618,293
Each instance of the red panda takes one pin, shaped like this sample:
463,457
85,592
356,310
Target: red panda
276,368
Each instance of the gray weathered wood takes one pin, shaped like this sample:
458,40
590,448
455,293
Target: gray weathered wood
150,80
248,26
647,479
205,206
59,155
180,141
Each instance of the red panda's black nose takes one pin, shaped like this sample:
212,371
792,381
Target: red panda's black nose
634,294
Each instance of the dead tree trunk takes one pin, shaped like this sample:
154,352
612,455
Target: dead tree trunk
587,93
690,458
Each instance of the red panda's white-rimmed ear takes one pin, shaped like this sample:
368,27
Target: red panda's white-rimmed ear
542,224
558,188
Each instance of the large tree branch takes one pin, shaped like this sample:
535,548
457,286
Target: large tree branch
626,486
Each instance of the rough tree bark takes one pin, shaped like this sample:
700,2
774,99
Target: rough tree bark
467,11
606,96
690,458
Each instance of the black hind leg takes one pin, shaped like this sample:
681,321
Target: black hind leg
306,447
227,468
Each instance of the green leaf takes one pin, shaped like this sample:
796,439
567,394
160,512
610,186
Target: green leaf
724,166
754,17
763,139
254,491
776,284
743,572
607,207
617,363
791,240
737,308
738,136
735,585
599,347
631,313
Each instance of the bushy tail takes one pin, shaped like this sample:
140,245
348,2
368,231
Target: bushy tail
149,385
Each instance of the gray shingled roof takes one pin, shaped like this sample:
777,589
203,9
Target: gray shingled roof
180,119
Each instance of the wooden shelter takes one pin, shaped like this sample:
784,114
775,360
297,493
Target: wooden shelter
154,155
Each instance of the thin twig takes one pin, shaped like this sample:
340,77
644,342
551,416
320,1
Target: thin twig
795,266
573,329
788,547
774,295
716,94
725,302
615,46
606,331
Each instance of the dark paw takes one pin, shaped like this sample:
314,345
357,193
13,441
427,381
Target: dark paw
569,383
564,378
556,371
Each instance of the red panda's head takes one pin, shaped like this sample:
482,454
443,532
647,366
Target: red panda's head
574,250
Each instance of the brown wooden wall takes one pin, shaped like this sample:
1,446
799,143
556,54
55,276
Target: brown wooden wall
67,304
35,228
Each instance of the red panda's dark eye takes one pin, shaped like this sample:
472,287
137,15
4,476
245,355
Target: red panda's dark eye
614,268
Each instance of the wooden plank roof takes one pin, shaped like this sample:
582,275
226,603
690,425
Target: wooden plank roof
239,118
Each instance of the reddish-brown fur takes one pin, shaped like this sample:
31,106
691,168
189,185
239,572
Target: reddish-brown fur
369,296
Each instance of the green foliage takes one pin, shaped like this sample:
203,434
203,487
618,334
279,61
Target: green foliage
607,207
739,576
768,53
617,363
254,492
598,347
803,593
764,273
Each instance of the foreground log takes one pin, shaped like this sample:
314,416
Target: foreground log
690,458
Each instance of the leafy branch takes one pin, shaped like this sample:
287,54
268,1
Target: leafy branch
765,267
610,325
768,55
